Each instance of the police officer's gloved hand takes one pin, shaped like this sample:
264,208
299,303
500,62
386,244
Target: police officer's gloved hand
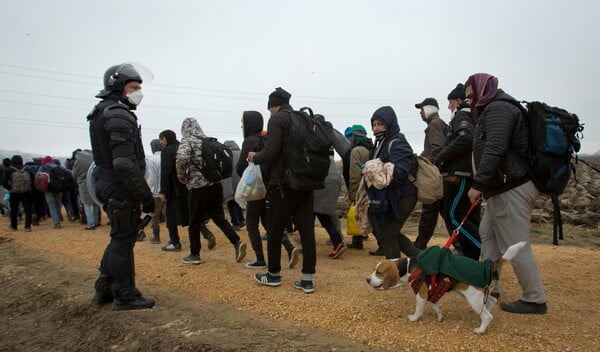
148,205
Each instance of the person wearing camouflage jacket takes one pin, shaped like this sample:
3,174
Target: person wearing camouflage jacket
205,198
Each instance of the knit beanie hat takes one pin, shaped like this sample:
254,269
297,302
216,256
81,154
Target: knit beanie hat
358,130
47,159
279,98
347,131
458,92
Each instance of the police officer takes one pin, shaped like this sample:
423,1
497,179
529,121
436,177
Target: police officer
120,184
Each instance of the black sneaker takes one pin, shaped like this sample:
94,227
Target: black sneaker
379,251
353,245
268,279
337,251
294,256
522,307
306,286
102,297
154,239
141,235
255,264
137,302
172,247
240,251
192,259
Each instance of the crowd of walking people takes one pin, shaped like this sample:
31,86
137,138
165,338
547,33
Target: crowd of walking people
479,153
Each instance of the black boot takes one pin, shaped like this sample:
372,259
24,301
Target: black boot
127,299
357,242
379,251
103,294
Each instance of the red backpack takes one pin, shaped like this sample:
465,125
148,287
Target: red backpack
41,181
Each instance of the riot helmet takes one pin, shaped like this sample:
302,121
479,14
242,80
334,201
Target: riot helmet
116,77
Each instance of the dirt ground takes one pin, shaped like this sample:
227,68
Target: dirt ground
47,278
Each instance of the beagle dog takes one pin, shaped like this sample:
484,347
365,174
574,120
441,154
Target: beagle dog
393,272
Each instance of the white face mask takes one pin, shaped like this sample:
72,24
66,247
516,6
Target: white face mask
135,97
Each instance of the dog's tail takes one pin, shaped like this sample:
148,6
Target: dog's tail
512,251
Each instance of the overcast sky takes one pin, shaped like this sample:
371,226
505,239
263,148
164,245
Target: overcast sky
214,59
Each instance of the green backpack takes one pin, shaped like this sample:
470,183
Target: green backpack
20,181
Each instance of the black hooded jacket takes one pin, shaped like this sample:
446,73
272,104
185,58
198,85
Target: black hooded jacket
169,185
500,146
175,191
16,163
252,122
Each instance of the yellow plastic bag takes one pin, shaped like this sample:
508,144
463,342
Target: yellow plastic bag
352,227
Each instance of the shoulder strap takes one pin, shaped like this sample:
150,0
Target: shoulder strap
557,231
390,145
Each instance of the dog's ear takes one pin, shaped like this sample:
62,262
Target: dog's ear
391,277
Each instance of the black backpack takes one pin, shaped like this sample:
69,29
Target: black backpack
217,160
60,180
554,140
306,152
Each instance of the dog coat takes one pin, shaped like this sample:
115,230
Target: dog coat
435,260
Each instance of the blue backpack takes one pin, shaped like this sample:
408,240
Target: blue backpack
554,140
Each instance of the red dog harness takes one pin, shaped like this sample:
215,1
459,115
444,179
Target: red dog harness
437,287
435,292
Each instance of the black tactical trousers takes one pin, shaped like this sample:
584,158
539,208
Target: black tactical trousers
117,261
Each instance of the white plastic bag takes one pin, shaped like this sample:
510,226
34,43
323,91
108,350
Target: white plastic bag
251,185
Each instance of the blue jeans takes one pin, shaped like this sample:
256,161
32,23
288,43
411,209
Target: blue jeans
54,205
92,214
